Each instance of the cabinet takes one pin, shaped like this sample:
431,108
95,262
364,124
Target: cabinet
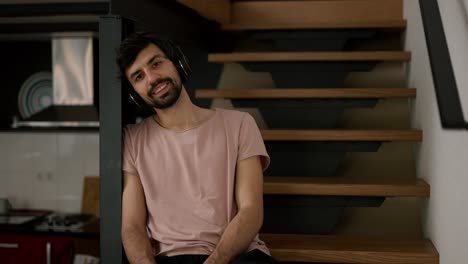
40,249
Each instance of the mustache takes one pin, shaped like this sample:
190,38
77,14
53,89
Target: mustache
153,87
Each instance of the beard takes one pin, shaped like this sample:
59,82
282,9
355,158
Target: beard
169,98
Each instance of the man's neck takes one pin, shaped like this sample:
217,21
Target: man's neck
183,115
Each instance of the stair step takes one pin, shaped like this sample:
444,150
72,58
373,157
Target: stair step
312,93
390,24
324,12
309,56
218,10
341,186
342,135
340,249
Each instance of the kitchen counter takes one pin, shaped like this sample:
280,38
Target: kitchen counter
46,222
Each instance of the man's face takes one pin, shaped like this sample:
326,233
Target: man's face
155,78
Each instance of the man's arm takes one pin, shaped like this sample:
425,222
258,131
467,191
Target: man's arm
245,225
134,237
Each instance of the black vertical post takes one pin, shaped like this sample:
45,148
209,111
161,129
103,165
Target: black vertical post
110,134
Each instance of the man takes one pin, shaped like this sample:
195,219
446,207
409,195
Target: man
193,177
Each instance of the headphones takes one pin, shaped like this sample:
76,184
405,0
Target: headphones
181,63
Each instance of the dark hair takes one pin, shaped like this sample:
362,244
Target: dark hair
136,42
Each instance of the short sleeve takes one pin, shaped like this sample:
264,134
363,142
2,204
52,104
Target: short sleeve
128,157
251,141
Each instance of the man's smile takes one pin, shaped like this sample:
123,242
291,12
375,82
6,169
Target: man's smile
161,88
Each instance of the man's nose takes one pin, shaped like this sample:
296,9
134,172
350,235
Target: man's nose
153,77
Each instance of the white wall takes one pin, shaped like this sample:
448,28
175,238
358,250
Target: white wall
442,157
46,170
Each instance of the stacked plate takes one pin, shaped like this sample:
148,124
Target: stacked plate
35,94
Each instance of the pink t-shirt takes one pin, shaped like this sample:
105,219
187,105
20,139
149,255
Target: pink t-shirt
188,178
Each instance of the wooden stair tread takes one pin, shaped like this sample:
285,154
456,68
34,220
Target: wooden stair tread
341,186
217,10
342,135
390,24
307,93
311,12
340,249
310,56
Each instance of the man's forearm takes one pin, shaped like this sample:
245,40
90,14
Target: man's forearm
237,236
137,246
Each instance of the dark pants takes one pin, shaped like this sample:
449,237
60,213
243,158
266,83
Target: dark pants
252,257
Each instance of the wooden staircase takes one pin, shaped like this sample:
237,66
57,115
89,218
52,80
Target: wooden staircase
307,17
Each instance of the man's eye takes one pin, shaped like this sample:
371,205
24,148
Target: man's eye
157,63
138,77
